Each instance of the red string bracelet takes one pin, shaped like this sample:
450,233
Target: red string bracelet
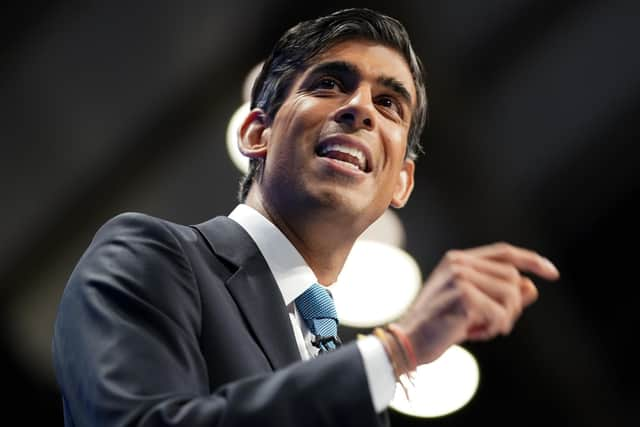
406,344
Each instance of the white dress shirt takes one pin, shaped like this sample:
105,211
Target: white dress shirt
293,277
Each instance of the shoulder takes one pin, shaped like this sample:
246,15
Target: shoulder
134,267
137,254
140,243
137,221
135,226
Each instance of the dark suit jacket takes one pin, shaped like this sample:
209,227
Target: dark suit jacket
168,325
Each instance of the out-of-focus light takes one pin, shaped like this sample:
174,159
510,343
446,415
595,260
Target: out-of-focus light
238,159
247,87
441,387
376,285
386,229
241,162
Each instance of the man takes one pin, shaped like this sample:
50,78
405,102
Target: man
169,325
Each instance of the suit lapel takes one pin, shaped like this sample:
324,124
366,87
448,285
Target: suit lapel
254,289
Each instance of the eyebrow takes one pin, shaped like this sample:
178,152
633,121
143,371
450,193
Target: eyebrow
337,67
343,67
396,86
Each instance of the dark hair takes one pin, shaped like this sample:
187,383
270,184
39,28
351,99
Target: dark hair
303,42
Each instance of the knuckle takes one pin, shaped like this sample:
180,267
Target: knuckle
513,301
457,271
453,256
504,324
509,251
502,246
462,293
505,250
512,274
507,328
514,313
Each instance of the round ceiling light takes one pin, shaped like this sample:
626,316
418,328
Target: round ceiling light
440,387
376,285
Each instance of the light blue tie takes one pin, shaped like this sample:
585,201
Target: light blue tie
319,313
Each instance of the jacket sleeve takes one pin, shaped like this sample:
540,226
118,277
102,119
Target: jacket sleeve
126,348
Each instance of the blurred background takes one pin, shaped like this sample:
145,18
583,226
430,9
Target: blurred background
109,107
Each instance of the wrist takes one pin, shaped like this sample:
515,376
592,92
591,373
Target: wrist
400,357
398,348
405,344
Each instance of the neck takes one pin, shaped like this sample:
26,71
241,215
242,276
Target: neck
321,239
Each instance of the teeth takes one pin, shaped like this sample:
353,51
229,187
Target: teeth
352,151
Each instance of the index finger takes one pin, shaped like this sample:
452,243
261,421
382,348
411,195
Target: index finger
523,259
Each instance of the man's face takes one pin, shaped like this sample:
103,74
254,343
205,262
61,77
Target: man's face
339,139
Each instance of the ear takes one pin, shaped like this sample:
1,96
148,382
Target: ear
404,184
253,135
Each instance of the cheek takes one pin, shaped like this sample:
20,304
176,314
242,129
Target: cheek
396,146
294,132
295,119
301,109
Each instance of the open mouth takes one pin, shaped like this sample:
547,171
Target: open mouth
347,154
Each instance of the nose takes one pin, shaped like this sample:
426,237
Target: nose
358,111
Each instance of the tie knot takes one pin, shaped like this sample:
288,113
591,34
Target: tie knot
315,303
319,312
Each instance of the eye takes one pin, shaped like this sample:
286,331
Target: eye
327,83
390,103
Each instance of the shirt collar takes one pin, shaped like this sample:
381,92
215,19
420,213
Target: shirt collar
290,270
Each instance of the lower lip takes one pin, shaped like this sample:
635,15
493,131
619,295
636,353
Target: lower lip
341,167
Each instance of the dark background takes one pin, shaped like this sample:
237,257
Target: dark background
533,139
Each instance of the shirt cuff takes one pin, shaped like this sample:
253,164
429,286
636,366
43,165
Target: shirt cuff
382,382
